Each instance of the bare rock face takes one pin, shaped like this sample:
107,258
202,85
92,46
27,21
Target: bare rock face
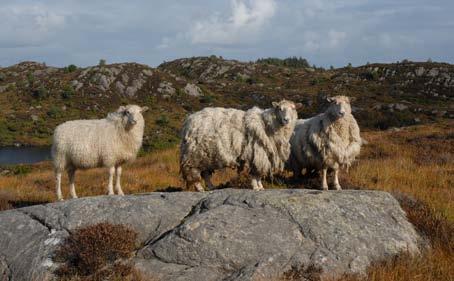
192,90
220,235
166,88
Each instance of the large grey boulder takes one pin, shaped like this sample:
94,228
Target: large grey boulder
220,235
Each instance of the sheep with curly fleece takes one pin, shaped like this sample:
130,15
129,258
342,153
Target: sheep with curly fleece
217,138
109,142
327,141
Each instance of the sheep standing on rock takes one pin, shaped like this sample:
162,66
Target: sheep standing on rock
216,138
109,142
327,141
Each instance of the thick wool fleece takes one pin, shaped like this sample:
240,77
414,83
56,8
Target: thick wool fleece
324,142
108,142
216,138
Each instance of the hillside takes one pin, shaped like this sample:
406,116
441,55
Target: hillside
35,98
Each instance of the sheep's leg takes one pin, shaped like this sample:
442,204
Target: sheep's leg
260,184
110,185
207,178
324,182
72,186
199,187
256,184
58,185
336,180
117,183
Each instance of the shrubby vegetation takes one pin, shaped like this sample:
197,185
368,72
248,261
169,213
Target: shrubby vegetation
70,68
287,62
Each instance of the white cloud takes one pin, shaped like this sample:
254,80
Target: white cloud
245,23
28,25
335,38
323,40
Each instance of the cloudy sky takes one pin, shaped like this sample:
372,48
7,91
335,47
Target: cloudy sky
326,32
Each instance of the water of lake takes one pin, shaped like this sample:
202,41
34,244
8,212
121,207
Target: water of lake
24,155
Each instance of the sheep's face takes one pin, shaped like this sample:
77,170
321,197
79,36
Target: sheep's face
286,111
131,115
339,106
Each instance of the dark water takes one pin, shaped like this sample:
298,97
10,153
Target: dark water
23,155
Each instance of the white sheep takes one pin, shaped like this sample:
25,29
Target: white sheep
327,141
109,142
216,138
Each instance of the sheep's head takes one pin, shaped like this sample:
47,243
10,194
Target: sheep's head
339,106
131,115
286,111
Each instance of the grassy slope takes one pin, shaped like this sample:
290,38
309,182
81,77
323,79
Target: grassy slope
47,95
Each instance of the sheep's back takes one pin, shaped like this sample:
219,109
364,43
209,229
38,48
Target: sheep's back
213,137
84,143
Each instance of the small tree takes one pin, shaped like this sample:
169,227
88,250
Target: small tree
68,92
70,68
102,62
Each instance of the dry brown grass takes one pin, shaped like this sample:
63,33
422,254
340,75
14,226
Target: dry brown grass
416,161
98,252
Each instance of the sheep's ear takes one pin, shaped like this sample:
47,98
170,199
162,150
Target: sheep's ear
351,99
329,99
121,108
144,108
298,105
275,104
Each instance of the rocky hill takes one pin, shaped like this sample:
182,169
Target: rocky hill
220,235
35,98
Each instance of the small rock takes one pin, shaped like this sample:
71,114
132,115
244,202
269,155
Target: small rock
400,107
147,72
166,88
243,76
419,71
34,117
76,85
433,72
125,78
192,90
120,87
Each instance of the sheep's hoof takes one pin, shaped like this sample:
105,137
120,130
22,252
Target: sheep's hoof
338,187
121,194
324,188
60,199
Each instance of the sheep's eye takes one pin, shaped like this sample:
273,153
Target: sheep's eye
126,112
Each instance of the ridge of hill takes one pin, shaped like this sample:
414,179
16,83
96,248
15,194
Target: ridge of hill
35,98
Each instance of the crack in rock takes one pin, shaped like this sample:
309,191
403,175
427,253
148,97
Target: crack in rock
38,220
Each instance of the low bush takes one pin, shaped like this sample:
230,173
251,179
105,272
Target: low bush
70,68
97,252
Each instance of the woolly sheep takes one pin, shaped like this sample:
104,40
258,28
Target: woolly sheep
109,142
216,138
327,141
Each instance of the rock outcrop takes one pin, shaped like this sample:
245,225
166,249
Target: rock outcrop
221,235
